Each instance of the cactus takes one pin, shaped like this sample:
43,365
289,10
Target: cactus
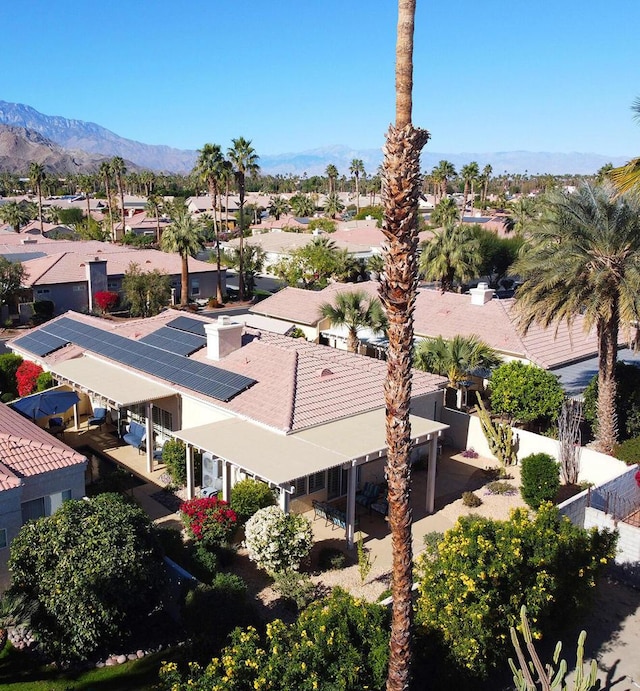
502,443
549,678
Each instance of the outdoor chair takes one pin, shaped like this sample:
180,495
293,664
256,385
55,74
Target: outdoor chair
369,494
136,435
98,419
56,426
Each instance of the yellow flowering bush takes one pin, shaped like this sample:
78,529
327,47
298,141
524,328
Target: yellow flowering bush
471,592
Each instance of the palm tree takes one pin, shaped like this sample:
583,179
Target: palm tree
398,285
357,169
183,236
119,169
244,161
455,358
627,177
332,173
453,253
445,213
153,208
333,205
209,170
469,175
36,178
279,205
522,213
16,215
443,172
302,205
486,177
105,172
85,185
355,310
585,260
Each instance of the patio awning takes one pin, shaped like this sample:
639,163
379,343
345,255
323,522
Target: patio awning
280,458
121,387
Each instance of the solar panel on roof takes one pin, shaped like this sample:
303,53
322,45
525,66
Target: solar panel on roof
194,326
177,369
178,342
40,343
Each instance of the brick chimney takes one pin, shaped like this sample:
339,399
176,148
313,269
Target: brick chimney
481,295
223,337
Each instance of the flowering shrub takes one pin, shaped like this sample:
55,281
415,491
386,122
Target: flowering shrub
470,453
277,541
27,376
209,520
336,643
471,592
637,476
105,299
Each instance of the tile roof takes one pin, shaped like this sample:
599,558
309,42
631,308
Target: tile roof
27,450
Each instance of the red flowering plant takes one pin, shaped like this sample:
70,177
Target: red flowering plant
637,476
209,520
27,377
106,299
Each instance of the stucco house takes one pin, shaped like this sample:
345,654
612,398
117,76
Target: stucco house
305,418
37,473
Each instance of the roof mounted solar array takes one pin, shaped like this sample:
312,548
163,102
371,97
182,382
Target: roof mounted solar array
194,326
175,341
197,376
40,343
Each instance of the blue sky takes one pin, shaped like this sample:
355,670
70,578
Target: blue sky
541,75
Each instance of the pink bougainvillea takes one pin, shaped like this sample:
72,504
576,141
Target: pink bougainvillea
637,476
209,519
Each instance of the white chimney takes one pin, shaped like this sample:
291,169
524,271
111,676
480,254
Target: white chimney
481,295
223,337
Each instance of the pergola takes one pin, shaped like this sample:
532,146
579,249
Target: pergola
279,458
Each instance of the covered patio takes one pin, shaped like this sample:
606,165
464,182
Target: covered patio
280,459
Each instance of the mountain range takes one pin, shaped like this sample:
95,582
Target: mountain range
65,145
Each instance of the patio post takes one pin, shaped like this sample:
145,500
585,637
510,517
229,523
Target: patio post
191,490
149,436
283,499
351,505
76,417
226,480
431,474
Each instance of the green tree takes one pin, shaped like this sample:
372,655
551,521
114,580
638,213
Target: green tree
455,358
36,178
326,225
105,173
15,214
442,173
183,237
278,206
398,286
445,213
497,254
472,589
469,175
153,209
523,213
85,185
626,178
585,260
332,174
540,477
244,160
252,263
9,363
250,495
93,568
486,178
145,292
333,205
12,275
357,169
209,168
302,205
71,217
119,170
453,253
525,393
355,310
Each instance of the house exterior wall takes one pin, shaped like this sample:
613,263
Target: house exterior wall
10,515
43,485
196,413
65,296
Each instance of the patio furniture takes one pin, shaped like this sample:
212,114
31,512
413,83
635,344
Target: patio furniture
136,435
331,514
56,426
381,506
98,419
369,494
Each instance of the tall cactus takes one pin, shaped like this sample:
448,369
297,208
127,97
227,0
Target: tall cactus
502,442
549,678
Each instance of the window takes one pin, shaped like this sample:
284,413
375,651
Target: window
337,482
42,291
300,486
3,538
195,286
162,419
58,499
33,509
113,286
81,288
316,482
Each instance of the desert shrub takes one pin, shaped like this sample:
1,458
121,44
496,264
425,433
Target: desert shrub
336,643
331,558
174,457
472,589
209,520
540,477
628,451
431,541
44,381
27,376
94,569
501,487
9,364
278,541
471,499
248,496
295,588
205,562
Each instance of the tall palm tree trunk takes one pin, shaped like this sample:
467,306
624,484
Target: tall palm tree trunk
40,208
241,257
213,192
184,280
401,190
606,406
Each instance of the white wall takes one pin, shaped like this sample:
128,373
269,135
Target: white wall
628,548
196,413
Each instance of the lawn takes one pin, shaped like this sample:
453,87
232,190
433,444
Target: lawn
17,671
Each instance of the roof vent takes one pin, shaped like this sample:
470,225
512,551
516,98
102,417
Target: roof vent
326,372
